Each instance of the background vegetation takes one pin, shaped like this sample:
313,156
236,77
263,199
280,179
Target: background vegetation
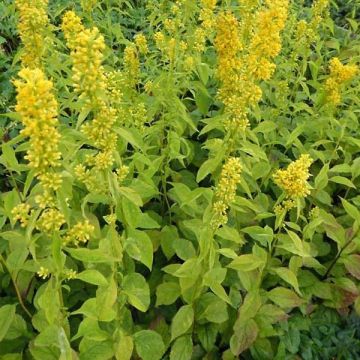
179,179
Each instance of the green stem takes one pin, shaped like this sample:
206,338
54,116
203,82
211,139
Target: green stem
21,302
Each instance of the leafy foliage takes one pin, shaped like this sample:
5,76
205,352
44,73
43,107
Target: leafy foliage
177,181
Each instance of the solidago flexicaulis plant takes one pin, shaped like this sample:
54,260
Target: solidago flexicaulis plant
180,179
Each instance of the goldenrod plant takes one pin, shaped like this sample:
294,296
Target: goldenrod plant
179,179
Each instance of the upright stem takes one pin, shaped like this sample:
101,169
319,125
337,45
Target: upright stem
21,302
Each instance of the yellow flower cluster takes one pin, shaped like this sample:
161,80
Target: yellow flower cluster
79,233
50,220
228,45
21,212
87,177
87,47
293,180
70,274
33,25
339,74
43,272
141,43
226,191
37,107
266,42
306,33
207,13
241,66
286,205
90,81
318,8
122,173
131,64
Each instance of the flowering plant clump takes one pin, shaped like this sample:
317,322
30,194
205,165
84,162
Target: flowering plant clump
179,179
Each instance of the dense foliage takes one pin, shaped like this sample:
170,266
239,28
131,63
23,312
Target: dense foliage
179,179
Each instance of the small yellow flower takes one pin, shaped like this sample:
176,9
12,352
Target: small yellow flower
293,180
70,274
80,233
43,272
121,173
21,212
110,219
50,220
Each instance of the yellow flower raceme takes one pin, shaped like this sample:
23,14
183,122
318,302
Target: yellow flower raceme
141,43
228,46
226,190
339,74
37,107
293,180
80,233
207,13
266,42
131,64
21,212
50,220
71,26
33,25
318,9
91,82
87,46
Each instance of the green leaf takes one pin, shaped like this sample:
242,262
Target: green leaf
167,293
285,298
211,308
7,315
139,246
137,290
94,350
245,333
288,276
182,348
263,235
131,195
352,265
92,277
87,255
124,348
149,345
246,262
182,321
343,181
351,210
322,179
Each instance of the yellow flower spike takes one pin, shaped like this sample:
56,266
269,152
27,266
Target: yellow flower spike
32,26
228,45
37,108
226,190
266,42
339,74
141,43
131,64
293,180
207,13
